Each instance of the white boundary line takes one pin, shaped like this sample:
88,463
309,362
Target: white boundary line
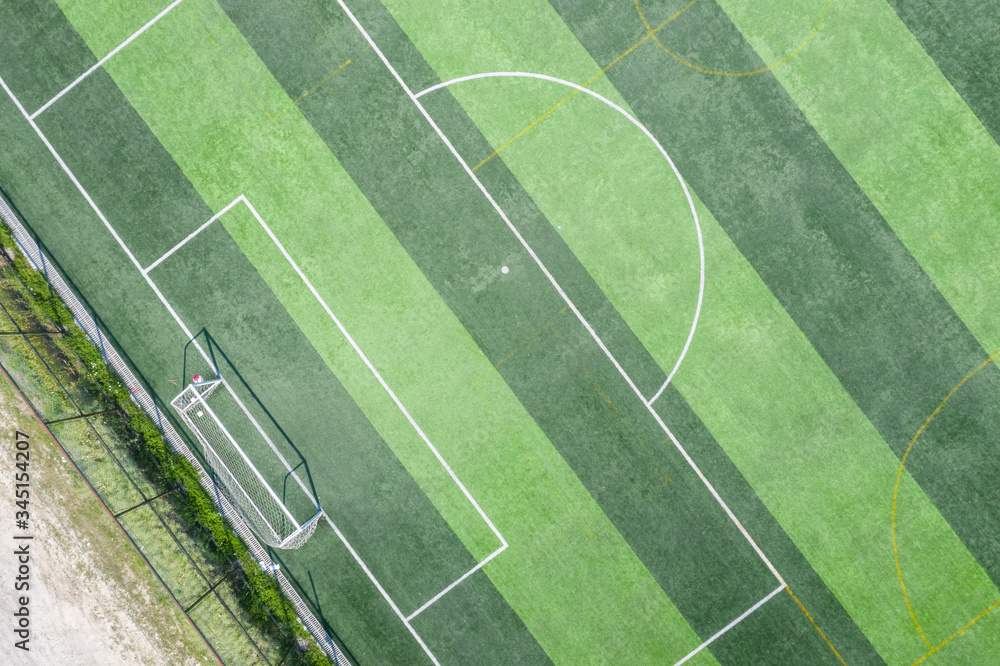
649,135
553,281
730,625
104,220
104,59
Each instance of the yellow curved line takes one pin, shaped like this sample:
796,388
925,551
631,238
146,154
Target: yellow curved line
895,492
586,83
681,60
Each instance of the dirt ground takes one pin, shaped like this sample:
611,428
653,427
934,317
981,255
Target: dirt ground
92,598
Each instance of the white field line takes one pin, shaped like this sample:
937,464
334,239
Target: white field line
107,224
553,281
730,625
205,356
649,135
409,417
456,582
192,235
105,58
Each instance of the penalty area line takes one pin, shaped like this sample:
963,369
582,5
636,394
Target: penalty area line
198,347
409,418
555,284
378,376
729,626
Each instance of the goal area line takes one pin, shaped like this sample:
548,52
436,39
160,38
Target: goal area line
198,347
437,454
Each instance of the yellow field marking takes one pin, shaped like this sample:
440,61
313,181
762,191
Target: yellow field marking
322,27
303,95
721,73
649,34
837,654
232,69
895,493
249,89
957,633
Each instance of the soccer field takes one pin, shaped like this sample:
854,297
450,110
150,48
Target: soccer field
627,331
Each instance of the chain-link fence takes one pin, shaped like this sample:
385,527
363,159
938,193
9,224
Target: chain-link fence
97,438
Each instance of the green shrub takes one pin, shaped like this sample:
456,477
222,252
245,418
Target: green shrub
266,603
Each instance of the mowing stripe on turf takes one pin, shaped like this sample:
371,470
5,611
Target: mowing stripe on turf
496,104
42,51
938,195
339,115
963,38
501,98
133,146
821,247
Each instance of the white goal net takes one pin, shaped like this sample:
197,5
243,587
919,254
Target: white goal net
228,431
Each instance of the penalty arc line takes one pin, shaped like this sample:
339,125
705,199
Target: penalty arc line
103,60
555,284
730,625
649,135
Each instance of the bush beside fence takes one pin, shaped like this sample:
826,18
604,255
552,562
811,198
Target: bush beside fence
266,618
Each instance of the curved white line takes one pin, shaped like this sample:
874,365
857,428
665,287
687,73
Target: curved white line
694,213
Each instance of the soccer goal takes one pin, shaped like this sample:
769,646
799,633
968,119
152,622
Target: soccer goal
227,431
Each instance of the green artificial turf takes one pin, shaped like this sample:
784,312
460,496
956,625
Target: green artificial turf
964,40
846,271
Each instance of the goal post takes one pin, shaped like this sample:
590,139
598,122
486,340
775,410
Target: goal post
227,432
